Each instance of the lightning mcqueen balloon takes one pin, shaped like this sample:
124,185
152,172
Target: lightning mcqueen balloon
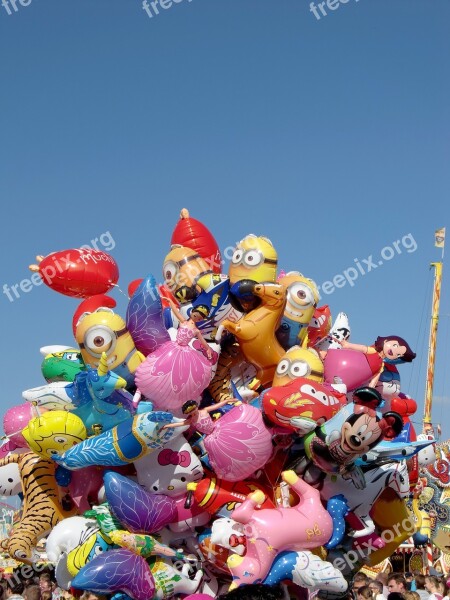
78,272
302,404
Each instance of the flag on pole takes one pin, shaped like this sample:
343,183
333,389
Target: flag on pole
439,238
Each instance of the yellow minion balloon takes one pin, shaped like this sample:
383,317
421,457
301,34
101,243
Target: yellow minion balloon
253,258
99,330
301,302
182,269
54,432
298,362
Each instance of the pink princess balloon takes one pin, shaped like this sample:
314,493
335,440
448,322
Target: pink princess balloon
238,443
175,372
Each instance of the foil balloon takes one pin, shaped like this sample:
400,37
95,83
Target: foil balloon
42,509
61,365
144,317
301,405
319,325
352,367
54,432
117,570
99,330
170,582
170,469
351,433
138,510
215,495
175,372
66,535
306,570
182,269
191,233
301,301
304,526
10,480
15,419
298,362
253,258
78,272
238,443
144,545
89,546
255,331
122,444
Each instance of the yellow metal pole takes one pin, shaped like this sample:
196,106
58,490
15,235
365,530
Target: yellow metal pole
427,426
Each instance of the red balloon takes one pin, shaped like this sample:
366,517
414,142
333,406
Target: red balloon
193,234
78,272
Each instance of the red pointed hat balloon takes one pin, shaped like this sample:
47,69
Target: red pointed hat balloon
193,234
91,305
78,272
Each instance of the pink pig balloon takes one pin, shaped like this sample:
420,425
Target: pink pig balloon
353,367
269,531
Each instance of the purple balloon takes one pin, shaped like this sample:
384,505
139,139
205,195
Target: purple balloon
144,317
137,509
117,570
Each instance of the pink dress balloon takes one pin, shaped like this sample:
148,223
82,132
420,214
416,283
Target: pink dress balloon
238,443
174,373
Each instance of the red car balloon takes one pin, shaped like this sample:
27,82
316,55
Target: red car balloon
78,272
309,402
194,235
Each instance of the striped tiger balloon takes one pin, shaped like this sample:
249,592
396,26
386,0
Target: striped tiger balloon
41,510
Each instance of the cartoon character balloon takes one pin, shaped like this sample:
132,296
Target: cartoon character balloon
98,329
254,258
301,302
54,432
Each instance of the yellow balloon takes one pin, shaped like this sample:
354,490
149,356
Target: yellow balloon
54,432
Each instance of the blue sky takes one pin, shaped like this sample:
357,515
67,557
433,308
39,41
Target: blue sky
330,137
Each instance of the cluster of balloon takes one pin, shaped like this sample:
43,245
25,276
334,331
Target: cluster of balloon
224,432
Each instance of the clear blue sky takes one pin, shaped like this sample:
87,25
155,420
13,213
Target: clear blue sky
330,136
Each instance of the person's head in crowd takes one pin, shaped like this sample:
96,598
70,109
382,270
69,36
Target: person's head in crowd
396,583
14,588
93,596
395,596
411,595
360,580
383,577
376,587
32,592
420,581
255,591
46,583
364,593
433,585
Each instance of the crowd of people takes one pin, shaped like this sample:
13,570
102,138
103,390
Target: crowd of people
38,586
399,586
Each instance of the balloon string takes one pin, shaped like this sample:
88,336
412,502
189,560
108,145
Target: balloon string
121,291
